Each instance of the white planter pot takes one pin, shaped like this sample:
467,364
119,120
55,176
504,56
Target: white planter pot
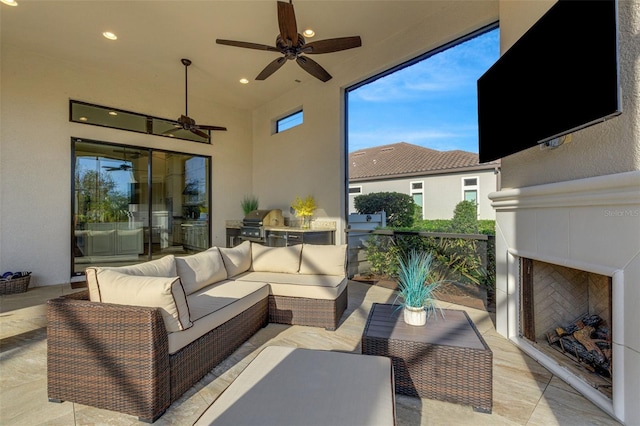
415,316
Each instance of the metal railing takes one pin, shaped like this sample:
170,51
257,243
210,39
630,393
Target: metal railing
358,264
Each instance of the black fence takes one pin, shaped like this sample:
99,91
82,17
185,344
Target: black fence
477,251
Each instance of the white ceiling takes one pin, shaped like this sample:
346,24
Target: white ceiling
155,35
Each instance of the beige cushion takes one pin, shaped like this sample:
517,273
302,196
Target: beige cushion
295,386
275,259
216,304
237,259
165,293
323,259
163,267
200,270
326,287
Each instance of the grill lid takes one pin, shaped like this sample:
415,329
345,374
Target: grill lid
263,217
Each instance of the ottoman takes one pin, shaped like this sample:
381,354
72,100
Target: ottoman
294,386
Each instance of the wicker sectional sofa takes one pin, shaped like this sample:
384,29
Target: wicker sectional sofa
142,335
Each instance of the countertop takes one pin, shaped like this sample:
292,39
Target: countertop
316,225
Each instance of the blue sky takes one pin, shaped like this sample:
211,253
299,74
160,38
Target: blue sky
431,103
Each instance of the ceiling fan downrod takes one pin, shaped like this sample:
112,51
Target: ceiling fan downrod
186,63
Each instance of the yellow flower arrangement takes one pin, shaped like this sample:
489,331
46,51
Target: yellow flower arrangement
304,207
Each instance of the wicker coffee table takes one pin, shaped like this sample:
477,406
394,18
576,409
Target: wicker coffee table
447,359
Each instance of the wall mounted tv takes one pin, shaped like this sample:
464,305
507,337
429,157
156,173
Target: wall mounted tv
560,76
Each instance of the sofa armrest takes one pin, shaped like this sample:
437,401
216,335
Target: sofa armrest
108,356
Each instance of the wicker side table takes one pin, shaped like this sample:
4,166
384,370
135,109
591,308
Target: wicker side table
447,359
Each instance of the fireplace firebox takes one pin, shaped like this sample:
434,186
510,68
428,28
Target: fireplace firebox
566,314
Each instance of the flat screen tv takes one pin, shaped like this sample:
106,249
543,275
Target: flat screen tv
560,76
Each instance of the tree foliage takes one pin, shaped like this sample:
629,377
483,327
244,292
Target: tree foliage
400,208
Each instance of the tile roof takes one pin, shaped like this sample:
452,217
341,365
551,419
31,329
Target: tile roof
403,158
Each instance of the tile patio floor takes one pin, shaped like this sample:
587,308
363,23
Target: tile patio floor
524,393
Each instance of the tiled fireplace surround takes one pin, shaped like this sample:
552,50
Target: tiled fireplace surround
590,224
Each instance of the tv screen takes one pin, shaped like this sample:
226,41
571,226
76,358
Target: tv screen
560,76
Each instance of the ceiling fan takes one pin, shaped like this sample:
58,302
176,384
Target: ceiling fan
184,121
124,166
293,45
126,163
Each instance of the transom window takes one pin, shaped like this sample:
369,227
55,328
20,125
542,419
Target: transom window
292,120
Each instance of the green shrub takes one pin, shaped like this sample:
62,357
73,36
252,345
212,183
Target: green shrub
487,227
382,254
400,208
465,218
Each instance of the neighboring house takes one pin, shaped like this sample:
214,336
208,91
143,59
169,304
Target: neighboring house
437,180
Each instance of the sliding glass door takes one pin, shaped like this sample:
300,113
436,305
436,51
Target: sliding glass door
134,204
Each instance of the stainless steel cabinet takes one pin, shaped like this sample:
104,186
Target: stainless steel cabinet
282,238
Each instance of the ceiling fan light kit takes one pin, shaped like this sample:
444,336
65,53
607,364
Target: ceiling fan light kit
293,46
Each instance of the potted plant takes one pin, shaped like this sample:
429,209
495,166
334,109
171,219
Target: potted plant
304,209
416,285
249,203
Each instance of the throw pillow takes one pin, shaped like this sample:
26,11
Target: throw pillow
237,259
323,259
201,269
163,267
275,259
165,293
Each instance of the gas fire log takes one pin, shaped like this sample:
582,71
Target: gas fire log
576,349
584,337
585,343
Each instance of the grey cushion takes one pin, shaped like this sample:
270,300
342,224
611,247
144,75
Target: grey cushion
293,386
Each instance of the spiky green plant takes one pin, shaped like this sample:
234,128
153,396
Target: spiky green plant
249,203
417,283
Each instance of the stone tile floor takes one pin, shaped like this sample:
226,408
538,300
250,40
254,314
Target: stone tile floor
524,392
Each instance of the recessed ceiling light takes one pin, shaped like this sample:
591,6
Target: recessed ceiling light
10,2
244,81
110,35
308,33
113,113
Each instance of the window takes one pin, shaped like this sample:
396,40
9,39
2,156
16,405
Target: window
470,191
289,121
97,115
121,218
417,194
355,190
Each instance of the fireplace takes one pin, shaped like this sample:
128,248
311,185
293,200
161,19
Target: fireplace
583,230
566,314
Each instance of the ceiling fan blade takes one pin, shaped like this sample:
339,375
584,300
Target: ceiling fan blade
313,68
199,133
206,127
247,45
287,23
332,45
271,68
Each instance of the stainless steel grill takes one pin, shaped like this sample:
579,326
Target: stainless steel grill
254,222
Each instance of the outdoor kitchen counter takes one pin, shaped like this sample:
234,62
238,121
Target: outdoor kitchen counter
320,232
315,226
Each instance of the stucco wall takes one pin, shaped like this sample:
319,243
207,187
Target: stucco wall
605,148
310,159
441,192
35,153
